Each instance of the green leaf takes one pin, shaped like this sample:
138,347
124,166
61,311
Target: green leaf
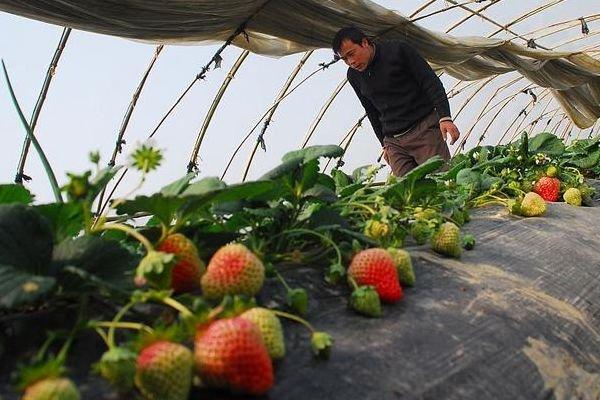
322,193
204,186
66,219
327,181
103,259
282,169
160,206
177,187
18,287
587,162
310,173
547,143
13,193
340,178
314,152
405,185
25,239
100,181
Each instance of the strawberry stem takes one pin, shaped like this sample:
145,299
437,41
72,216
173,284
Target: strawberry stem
321,236
130,231
123,325
178,306
353,283
294,318
280,278
116,319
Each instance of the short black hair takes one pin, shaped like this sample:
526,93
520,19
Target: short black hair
351,33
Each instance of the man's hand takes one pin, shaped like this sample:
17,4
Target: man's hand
448,127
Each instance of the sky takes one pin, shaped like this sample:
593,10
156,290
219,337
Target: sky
97,75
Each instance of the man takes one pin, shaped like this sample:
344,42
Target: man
404,99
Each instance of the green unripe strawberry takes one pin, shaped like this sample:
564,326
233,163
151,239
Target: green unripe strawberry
376,229
572,196
533,205
365,300
52,389
468,242
270,330
551,171
117,366
164,371
403,263
420,231
446,240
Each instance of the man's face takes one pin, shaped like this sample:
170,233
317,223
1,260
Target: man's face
356,56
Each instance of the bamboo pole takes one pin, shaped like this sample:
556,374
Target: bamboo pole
40,102
282,92
322,66
322,112
192,164
125,123
216,58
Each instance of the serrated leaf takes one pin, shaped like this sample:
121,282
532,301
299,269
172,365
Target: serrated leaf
204,186
310,173
104,259
99,182
322,193
588,161
313,153
546,143
18,287
66,219
160,206
25,239
177,187
13,193
282,169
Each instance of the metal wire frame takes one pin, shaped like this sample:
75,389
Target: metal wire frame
560,26
282,92
481,113
19,176
216,58
192,164
325,107
127,117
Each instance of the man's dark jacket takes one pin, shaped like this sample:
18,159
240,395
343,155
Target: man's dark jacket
398,89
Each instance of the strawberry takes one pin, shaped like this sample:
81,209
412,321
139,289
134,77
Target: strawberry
548,188
404,266
230,353
533,205
446,240
365,300
572,196
270,330
51,389
117,366
233,269
376,229
376,267
164,371
188,269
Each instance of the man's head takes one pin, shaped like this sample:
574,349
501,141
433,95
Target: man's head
354,47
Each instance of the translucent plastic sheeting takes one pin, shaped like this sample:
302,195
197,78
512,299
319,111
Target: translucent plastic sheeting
281,27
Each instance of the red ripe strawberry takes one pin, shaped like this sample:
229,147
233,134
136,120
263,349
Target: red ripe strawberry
164,371
233,269
548,188
230,353
188,269
376,267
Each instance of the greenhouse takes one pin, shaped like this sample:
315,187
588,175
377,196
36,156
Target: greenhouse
300,199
